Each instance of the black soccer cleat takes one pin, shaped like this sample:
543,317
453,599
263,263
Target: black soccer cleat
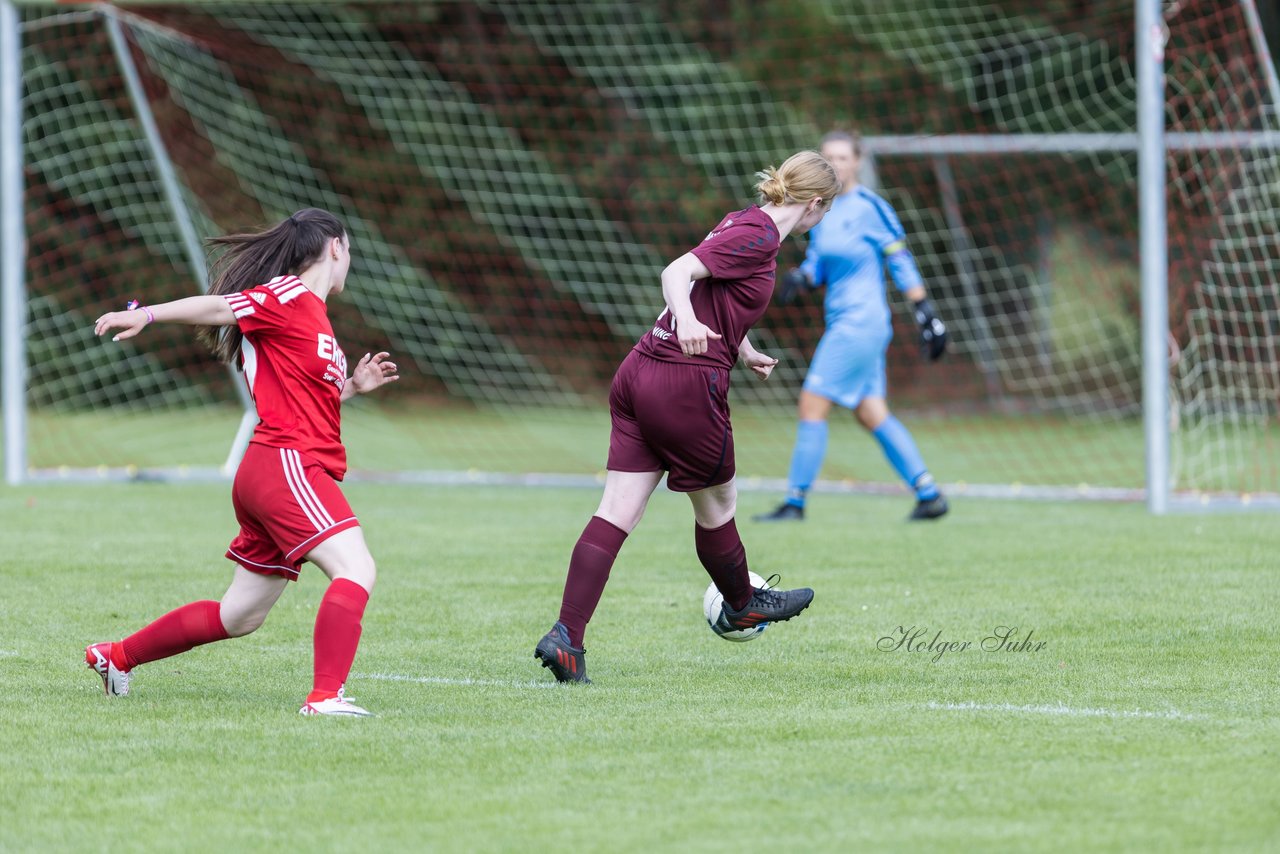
566,662
934,508
765,606
784,512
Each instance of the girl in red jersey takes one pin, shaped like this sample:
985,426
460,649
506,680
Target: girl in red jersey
670,410
266,309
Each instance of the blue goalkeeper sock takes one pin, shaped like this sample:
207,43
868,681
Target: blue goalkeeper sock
806,459
901,451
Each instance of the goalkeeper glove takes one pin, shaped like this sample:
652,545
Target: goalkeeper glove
793,283
933,332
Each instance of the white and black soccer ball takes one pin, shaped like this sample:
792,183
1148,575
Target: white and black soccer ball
713,602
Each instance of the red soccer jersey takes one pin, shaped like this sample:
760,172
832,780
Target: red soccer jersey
295,370
742,255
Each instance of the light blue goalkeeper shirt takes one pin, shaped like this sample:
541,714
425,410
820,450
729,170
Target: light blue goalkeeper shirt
848,251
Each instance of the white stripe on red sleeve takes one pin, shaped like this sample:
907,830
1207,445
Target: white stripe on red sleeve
285,297
241,306
286,288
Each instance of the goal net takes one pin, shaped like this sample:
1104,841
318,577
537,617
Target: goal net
514,175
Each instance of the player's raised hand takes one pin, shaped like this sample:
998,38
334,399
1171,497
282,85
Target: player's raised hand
374,370
131,322
760,364
693,336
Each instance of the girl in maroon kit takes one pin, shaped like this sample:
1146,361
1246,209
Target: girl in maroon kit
670,410
266,308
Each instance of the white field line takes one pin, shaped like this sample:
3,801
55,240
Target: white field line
445,680
1065,711
9,653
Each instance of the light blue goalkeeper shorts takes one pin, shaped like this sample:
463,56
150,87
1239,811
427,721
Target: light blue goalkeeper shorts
849,366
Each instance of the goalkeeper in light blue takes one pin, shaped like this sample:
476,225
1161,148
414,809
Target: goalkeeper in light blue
848,253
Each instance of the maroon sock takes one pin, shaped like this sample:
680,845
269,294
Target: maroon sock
177,631
337,635
589,567
725,559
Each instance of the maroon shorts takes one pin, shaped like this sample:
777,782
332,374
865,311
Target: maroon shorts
286,505
671,416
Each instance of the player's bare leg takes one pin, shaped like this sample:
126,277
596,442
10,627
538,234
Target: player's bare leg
626,495
715,505
245,605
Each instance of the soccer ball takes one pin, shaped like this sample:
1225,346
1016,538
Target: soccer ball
713,602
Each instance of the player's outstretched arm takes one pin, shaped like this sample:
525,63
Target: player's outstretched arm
373,371
193,311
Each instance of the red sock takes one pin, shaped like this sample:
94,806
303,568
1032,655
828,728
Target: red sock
336,637
589,567
177,631
725,559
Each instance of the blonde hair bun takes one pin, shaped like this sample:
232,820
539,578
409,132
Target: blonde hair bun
802,177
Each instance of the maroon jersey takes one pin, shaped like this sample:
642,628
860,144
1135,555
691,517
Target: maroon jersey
742,255
295,370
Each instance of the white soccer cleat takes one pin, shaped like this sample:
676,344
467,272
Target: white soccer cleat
115,682
338,705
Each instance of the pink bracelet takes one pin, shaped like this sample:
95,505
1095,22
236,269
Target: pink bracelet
132,304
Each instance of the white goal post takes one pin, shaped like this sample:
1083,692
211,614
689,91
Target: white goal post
12,250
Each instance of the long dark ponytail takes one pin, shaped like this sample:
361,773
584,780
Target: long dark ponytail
250,259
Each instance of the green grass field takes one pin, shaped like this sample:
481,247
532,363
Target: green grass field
1147,722
960,449
1033,450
